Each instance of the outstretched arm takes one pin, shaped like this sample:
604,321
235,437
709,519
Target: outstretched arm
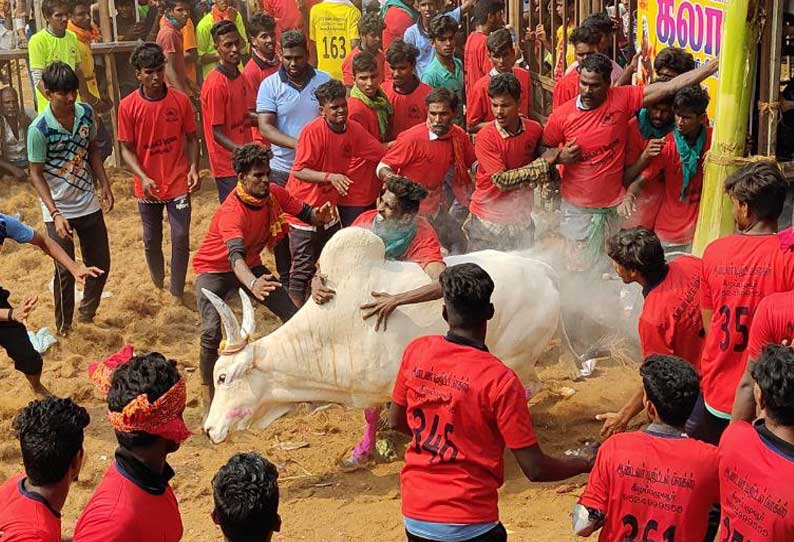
54,251
657,92
539,467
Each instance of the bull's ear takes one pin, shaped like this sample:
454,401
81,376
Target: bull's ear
249,316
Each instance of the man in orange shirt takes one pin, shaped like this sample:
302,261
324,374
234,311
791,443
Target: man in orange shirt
488,15
405,91
171,40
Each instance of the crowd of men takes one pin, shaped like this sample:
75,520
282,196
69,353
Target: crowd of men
379,120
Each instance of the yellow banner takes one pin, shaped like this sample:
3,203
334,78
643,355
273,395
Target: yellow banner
694,26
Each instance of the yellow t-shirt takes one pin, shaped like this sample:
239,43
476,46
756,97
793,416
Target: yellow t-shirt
44,49
333,24
205,44
88,69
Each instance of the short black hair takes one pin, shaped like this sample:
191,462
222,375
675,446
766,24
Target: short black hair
147,55
59,77
597,63
467,290
50,433
293,38
504,83
75,3
249,155
261,22
151,374
674,59
600,22
364,61
330,91
585,34
48,6
221,28
672,385
499,40
691,99
442,95
761,186
400,51
668,99
484,8
171,4
440,25
370,23
245,491
409,193
774,374
637,249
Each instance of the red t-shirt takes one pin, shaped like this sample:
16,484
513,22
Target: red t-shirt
286,14
169,38
416,156
236,220
322,149
464,407
565,89
756,493
496,153
254,73
650,199
425,247
409,109
738,272
652,486
773,322
161,152
596,181
677,216
479,104
670,322
395,23
476,62
366,185
224,102
25,516
120,511
347,66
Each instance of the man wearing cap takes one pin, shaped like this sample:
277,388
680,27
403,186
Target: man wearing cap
134,501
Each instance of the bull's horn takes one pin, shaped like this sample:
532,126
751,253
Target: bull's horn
249,317
230,323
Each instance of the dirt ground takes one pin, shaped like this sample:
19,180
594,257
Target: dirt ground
319,502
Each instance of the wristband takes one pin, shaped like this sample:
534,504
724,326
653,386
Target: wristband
55,213
251,284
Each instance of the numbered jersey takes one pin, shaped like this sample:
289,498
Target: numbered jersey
653,487
738,272
464,407
333,25
756,470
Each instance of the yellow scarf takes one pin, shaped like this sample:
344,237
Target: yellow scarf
86,36
278,224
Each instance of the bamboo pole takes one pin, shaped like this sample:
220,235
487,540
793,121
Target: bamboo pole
110,75
771,48
734,94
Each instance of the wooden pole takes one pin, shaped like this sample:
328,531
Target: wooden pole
110,75
771,49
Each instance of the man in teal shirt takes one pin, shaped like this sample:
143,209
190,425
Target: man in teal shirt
444,70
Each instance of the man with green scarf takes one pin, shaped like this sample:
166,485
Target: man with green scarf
680,166
407,237
370,107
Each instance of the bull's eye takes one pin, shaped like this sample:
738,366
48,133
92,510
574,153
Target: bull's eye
222,379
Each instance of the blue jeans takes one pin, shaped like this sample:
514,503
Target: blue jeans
226,186
179,212
497,534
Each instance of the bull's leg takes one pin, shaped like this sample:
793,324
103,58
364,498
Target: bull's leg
366,446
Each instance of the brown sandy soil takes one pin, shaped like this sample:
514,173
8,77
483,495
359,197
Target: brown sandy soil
319,501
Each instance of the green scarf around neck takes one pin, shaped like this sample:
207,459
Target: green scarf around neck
397,4
647,129
382,107
396,237
690,156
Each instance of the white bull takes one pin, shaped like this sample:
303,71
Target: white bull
329,353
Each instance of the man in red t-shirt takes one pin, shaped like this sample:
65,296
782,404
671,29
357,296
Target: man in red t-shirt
508,170
670,322
462,407
370,30
224,105
405,91
773,323
487,16
502,56
285,13
596,121
427,153
738,272
169,37
157,132
756,461
370,107
264,62
655,484
251,219
397,16
585,42
134,501
50,433
679,166
327,147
